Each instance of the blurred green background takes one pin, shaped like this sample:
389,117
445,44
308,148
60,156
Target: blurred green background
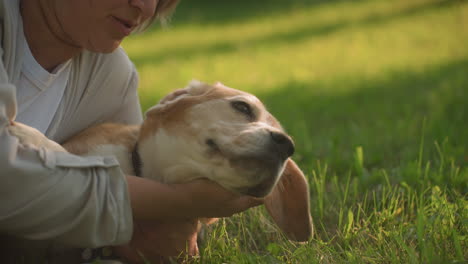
375,91
348,73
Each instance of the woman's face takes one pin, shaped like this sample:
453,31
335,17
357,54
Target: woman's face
101,25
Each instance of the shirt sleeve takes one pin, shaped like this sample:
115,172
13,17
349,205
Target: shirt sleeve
58,196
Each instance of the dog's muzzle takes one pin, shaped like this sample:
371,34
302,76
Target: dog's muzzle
279,149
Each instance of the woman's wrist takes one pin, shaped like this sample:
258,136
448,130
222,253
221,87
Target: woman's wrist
152,200
208,199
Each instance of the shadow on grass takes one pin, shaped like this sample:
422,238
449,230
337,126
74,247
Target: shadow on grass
306,31
384,116
222,12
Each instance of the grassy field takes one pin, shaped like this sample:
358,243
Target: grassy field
375,95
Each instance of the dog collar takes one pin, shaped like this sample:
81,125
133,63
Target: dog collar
136,161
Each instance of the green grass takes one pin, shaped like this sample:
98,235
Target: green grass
375,95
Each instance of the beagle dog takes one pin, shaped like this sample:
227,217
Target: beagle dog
214,132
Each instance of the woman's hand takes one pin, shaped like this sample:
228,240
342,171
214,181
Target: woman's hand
208,199
151,200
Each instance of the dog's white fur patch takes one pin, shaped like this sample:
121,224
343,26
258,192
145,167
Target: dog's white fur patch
179,160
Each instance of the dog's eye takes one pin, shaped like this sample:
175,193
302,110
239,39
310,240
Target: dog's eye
210,142
243,107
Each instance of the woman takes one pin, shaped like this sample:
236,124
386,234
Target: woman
62,71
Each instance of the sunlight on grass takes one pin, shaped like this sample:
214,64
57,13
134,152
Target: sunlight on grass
302,46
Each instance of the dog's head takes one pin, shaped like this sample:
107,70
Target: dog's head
228,136
219,133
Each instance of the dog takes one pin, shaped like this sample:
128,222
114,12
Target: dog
205,131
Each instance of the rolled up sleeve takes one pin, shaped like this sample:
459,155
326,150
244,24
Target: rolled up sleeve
58,196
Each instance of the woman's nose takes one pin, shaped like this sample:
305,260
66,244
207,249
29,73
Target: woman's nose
146,7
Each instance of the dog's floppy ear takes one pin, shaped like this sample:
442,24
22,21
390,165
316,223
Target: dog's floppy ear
194,88
288,204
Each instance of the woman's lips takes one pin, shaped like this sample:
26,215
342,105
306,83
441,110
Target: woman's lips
125,27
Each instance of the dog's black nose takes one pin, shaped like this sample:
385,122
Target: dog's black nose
283,144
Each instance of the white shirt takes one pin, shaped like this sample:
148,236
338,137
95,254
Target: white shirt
46,195
37,88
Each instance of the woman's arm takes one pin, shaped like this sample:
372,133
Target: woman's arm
51,195
176,209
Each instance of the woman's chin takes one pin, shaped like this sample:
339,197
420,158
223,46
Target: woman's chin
105,47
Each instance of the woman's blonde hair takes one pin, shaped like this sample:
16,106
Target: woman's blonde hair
164,10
